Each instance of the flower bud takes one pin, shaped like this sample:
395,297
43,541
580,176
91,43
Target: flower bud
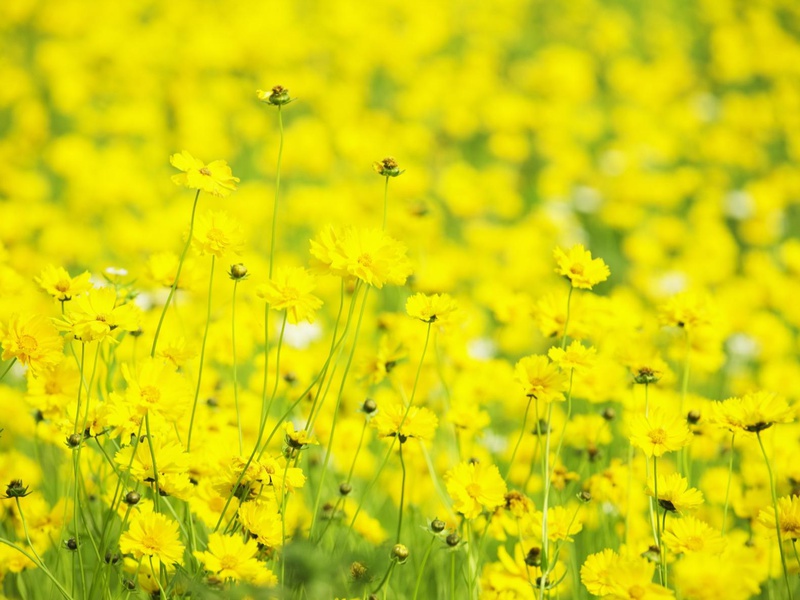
15,489
237,272
693,417
71,544
345,489
534,557
437,526
452,540
74,440
369,406
387,167
277,96
132,498
400,552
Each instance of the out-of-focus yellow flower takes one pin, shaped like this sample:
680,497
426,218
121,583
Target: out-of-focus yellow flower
575,357
290,290
217,234
788,518
580,268
674,493
689,535
394,418
541,379
659,432
229,558
215,178
752,413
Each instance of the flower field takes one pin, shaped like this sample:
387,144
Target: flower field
400,301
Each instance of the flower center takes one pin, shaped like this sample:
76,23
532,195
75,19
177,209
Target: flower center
150,394
637,591
205,171
694,543
474,490
215,235
291,294
28,344
228,562
576,269
62,285
365,260
658,436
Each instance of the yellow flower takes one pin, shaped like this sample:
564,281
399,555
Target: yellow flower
541,379
675,495
580,268
290,290
96,315
58,283
217,234
262,521
688,535
686,310
297,439
576,356
33,341
368,254
788,517
230,558
215,177
562,524
659,433
430,309
419,423
156,387
752,413
152,535
475,487
617,577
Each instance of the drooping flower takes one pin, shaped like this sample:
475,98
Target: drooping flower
417,421
33,341
580,268
215,178
752,412
475,487
154,535
674,493
430,308
57,282
290,290
230,558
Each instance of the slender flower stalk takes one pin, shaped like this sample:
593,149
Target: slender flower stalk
422,568
519,439
402,494
235,370
8,368
277,192
174,285
202,355
728,487
777,519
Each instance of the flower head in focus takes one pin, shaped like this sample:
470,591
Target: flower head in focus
214,178
230,558
33,341
277,96
430,309
541,379
577,265
475,487
57,282
674,493
659,432
152,535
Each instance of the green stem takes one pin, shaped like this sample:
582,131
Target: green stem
202,356
385,201
40,564
728,488
657,531
545,502
422,568
566,319
235,374
777,520
328,450
174,285
386,576
519,439
8,368
402,494
277,193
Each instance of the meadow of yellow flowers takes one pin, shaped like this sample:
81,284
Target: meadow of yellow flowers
447,300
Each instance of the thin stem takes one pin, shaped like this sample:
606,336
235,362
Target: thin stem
8,368
566,319
202,356
386,576
777,520
422,568
657,532
728,488
519,439
402,494
385,201
235,374
277,193
41,565
174,285
546,476
328,450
